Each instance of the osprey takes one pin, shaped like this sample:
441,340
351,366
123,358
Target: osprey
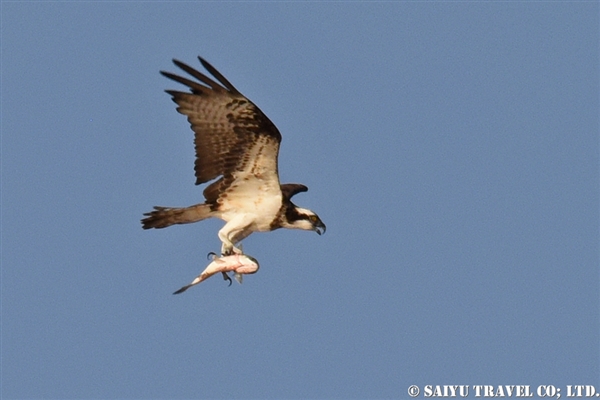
236,143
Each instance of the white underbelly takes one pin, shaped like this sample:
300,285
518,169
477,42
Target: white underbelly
258,212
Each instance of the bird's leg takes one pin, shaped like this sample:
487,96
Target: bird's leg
227,247
226,252
233,232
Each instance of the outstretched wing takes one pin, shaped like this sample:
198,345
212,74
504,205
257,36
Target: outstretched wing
290,189
234,140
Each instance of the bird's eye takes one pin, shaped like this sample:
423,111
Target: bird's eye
313,218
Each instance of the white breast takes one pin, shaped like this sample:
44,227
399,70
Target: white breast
257,200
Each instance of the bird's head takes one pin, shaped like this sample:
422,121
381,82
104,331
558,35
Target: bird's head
302,218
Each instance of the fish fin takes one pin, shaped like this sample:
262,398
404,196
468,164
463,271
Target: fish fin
239,278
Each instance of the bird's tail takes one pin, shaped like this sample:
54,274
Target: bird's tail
162,217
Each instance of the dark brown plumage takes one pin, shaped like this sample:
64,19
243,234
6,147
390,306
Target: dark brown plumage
225,122
237,145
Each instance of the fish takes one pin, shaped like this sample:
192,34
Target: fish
241,264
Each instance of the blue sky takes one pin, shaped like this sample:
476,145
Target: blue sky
450,147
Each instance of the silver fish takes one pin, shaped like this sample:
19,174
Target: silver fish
241,264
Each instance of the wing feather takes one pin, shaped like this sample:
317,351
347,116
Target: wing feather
290,189
201,77
213,71
232,135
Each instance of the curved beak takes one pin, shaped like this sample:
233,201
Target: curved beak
320,227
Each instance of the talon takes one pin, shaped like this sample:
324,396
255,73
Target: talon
227,278
230,251
212,253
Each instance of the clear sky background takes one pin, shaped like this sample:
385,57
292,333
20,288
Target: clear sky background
450,147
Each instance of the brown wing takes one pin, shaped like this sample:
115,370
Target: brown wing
231,133
290,189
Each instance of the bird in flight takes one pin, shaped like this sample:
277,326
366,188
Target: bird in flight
236,146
